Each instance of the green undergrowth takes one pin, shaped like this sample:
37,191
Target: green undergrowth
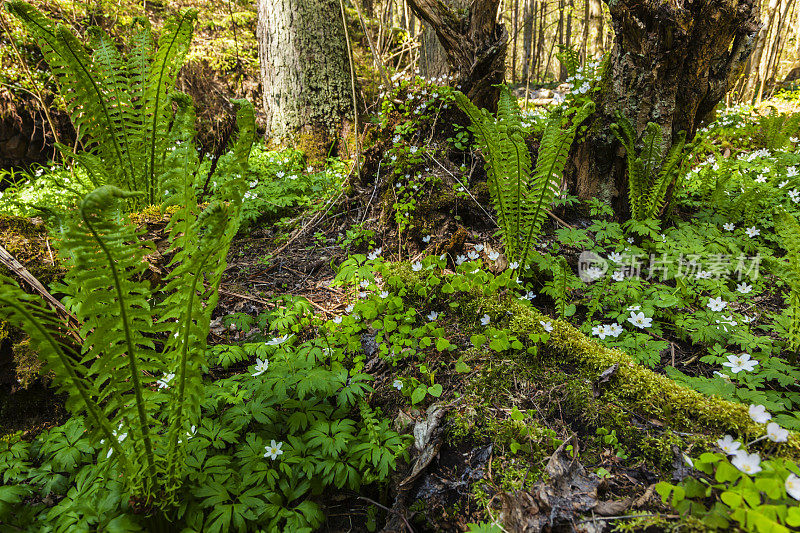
633,388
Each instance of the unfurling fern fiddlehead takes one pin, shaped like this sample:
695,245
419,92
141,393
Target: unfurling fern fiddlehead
649,175
137,377
521,197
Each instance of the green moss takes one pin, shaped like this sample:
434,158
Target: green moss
314,143
650,395
26,362
28,241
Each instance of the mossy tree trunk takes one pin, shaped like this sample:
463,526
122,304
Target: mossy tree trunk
474,43
671,63
305,72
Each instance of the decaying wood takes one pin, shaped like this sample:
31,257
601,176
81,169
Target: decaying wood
475,45
23,273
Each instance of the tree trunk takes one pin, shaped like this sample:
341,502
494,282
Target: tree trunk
305,72
755,68
475,45
562,72
594,29
773,58
538,59
670,64
527,40
514,24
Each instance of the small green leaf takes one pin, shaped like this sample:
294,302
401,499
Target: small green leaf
418,395
435,390
731,499
462,367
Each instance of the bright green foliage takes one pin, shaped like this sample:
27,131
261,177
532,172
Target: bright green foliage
788,229
777,128
521,197
121,106
126,333
719,495
570,59
649,176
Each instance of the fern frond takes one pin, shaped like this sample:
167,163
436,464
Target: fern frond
554,149
109,297
50,340
651,153
519,196
486,132
200,245
657,193
788,229
649,174
121,107
168,59
570,58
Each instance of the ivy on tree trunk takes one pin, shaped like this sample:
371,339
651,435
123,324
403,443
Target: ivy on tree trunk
671,63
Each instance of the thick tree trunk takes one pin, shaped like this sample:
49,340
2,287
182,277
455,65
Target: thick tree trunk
475,45
671,64
305,71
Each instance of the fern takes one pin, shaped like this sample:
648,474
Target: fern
778,128
120,106
570,58
521,197
649,175
114,377
788,229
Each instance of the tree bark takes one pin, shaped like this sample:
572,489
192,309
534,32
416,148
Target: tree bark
773,58
475,45
305,72
594,29
514,23
756,67
527,40
671,64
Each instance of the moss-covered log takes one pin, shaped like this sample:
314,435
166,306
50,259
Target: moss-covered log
633,391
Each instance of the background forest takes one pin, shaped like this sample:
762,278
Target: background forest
403,265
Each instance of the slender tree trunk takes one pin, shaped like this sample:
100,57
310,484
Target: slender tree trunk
773,58
755,71
514,25
562,72
569,23
475,44
594,29
305,72
527,39
585,32
670,64
539,59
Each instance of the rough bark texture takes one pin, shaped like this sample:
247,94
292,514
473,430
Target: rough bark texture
474,43
304,70
671,64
